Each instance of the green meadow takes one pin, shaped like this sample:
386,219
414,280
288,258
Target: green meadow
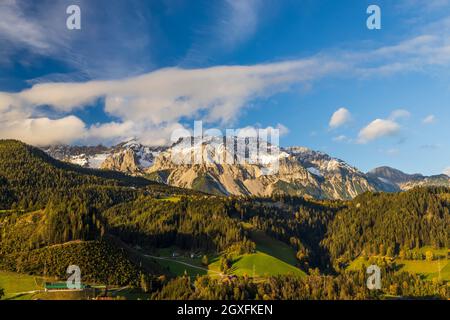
272,257
438,268
16,284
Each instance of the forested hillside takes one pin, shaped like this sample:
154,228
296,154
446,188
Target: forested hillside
54,214
386,224
30,177
196,223
46,203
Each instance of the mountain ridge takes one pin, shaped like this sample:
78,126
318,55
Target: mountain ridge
407,181
301,171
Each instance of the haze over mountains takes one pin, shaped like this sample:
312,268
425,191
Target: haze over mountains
301,171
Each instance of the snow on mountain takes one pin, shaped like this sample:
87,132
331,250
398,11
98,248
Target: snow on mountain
298,170
129,156
315,171
85,156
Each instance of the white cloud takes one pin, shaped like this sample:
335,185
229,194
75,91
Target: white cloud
150,103
377,129
113,133
233,23
15,26
339,118
162,98
399,114
429,119
252,131
282,129
241,21
39,29
43,131
169,94
447,171
341,138
415,54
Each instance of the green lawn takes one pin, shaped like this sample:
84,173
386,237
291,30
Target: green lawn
445,271
261,264
272,257
357,264
171,199
14,283
428,269
17,287
272,247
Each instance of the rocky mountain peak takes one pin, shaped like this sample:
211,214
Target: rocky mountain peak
300,170
407,181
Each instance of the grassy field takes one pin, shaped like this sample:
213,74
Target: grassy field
272,247
14,283
177,265
261,264
428,269
272,257
26,287
445,271
171,199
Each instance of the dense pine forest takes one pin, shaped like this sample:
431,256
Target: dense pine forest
53,214
390,224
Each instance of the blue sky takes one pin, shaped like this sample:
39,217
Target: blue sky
144,68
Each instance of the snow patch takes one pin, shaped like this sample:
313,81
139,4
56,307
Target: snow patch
315,171
96,161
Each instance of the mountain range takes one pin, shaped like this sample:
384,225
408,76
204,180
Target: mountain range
125,230
301,171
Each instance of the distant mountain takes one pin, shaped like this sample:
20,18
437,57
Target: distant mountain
85,156
301,171
30,175
129,157
406,181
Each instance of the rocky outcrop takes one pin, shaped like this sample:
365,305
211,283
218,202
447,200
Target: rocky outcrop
301,171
